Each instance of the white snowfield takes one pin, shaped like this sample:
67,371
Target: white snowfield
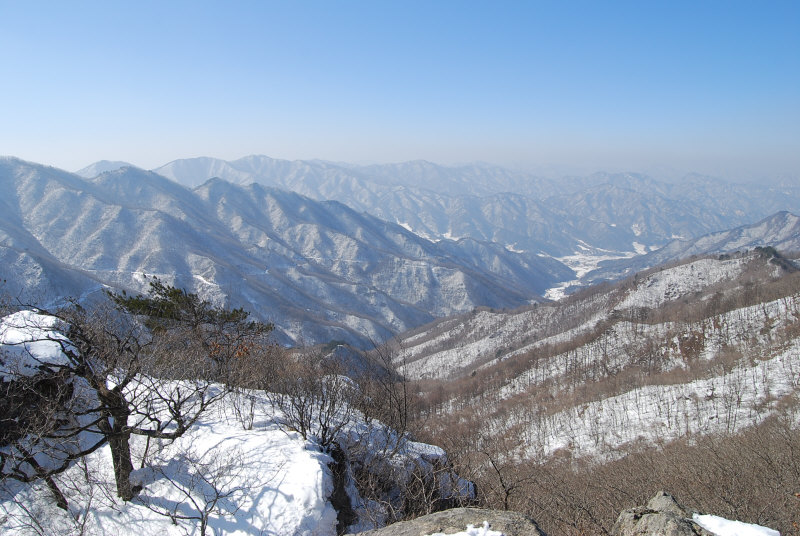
720,403
266,482
472,530
242,479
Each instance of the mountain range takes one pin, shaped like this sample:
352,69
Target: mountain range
671,359
318,270
622,212
331,251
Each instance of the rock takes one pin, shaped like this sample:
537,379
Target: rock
663,515
457,519
664,502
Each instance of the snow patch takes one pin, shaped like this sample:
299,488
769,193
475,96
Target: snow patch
405,226
725,527
472,530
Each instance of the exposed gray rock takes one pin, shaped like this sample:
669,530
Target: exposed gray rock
457,519
663,515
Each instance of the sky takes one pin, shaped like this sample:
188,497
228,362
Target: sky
672,86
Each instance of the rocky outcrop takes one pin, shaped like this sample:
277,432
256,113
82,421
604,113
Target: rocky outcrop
662,515
457,519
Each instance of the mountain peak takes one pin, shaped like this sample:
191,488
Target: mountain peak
102,166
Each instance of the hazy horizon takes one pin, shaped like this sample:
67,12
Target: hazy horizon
553,89
551,172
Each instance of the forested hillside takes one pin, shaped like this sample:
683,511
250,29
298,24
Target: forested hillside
685,375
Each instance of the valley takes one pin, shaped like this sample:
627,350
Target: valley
606,336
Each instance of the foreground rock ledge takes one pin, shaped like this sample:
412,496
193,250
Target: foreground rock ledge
662,515
457,519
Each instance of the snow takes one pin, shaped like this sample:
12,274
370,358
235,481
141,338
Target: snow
485,530
725,398
663,286
268,482
582,262
236,468
31,342
640,249
264,480
405,225
725,527
720,404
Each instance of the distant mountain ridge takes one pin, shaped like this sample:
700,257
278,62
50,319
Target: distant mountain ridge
323,269
93,170
318,270
619,212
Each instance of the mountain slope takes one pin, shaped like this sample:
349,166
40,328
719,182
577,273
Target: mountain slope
703,347
319,271
781,231
95,169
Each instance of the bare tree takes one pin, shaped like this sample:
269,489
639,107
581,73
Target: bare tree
315,398
145,367
385,393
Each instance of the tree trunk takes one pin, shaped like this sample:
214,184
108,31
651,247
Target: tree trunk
118,434
123,466
61,501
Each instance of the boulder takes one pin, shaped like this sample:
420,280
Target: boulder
457,519
663,515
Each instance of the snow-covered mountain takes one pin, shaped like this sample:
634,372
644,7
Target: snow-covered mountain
318,270
781,231
456,238
701,347
622,212
103,166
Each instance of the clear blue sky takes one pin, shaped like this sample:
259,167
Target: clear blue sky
706,86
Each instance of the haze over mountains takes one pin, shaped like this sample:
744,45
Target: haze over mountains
359,253
314,268
529,213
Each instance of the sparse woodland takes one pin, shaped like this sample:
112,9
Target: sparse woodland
697,394
139,372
